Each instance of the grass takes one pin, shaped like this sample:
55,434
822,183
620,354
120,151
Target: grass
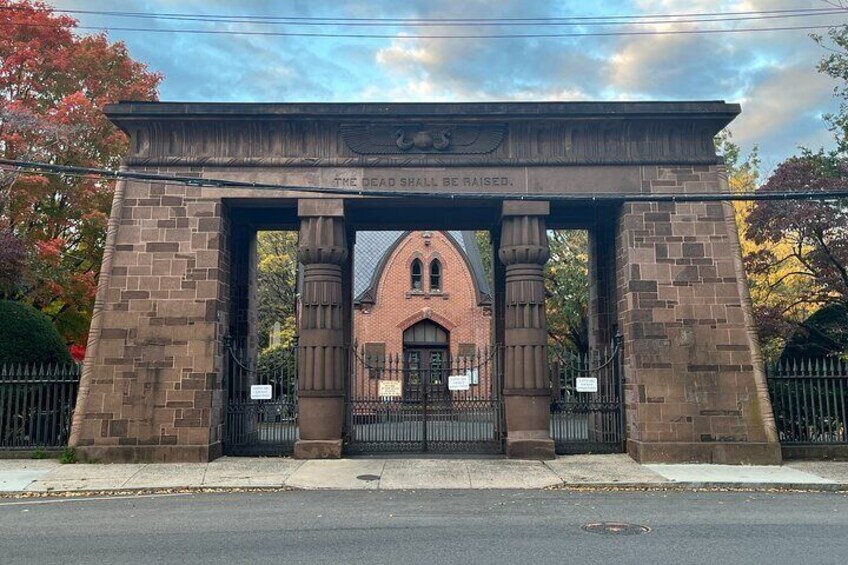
68,456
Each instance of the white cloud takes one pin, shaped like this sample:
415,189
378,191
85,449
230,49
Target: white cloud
772,74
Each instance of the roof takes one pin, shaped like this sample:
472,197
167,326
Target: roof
373,247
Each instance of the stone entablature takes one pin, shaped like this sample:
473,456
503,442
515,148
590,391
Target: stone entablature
415,135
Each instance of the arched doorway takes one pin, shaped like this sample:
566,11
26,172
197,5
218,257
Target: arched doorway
426,356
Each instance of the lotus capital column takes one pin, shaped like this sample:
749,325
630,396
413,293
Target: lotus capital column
323,252
524,252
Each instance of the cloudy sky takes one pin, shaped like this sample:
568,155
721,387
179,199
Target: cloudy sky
771,73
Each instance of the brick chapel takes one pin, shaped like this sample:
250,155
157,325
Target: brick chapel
422,295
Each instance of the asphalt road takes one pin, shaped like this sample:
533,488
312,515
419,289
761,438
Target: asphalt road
466,527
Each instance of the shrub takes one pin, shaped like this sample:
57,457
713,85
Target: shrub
823,334
276,365
28,336
68,456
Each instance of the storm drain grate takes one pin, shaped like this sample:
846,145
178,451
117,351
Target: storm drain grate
368,477
615,528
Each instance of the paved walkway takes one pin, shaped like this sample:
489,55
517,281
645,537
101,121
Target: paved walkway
45,476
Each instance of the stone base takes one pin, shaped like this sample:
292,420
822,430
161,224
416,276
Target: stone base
816,452
717,453
149,453
530,448
318,449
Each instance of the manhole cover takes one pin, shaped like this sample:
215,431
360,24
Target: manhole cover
615,528
368,477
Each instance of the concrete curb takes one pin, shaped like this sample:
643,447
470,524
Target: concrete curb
574,487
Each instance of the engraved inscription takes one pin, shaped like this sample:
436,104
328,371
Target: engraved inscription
470,181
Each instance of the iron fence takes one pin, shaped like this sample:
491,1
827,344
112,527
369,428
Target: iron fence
36,404
587,412
809,401
261,414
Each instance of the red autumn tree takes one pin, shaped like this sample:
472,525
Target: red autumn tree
53,84
803,243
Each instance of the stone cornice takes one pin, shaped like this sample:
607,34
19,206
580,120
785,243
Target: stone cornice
421,135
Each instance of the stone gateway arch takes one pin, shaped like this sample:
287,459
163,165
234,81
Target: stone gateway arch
178,275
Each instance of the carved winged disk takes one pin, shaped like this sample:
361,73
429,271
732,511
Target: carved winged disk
399,139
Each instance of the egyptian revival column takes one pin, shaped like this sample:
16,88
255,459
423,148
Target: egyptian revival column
524,252
322,249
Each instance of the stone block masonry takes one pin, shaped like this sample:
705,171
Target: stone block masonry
691,391
154,389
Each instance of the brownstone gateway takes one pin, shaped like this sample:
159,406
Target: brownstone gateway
177,276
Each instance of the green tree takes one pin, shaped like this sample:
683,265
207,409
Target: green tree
567,289
835,65
277,278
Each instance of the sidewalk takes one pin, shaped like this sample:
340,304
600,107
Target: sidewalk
576,471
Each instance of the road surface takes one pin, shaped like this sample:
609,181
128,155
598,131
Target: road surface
432,527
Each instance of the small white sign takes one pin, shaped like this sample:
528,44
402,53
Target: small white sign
474,375
587,384
261,392
459,382
389,389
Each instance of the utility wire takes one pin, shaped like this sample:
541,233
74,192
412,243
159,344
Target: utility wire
593,197
441,21
431,36
582,21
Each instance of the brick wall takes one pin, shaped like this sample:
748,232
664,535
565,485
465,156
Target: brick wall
397,307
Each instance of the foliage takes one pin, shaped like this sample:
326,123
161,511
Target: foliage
276,364
835,65
277,277
12,263
53,84
774,291
484,244
801,256
567,288
68,456
28,336
823,334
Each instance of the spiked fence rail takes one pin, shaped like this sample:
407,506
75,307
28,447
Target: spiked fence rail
36,403
810,401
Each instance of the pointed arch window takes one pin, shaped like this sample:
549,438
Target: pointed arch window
416,271
435,275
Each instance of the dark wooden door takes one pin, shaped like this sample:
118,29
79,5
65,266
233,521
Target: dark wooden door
426,371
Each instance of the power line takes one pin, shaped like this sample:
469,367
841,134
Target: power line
431,36
593,197
442,21
583,21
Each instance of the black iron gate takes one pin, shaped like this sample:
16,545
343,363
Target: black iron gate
587,409
424,401
261,409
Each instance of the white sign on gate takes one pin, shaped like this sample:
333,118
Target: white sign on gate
587,384
261,392
459,382
389,389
